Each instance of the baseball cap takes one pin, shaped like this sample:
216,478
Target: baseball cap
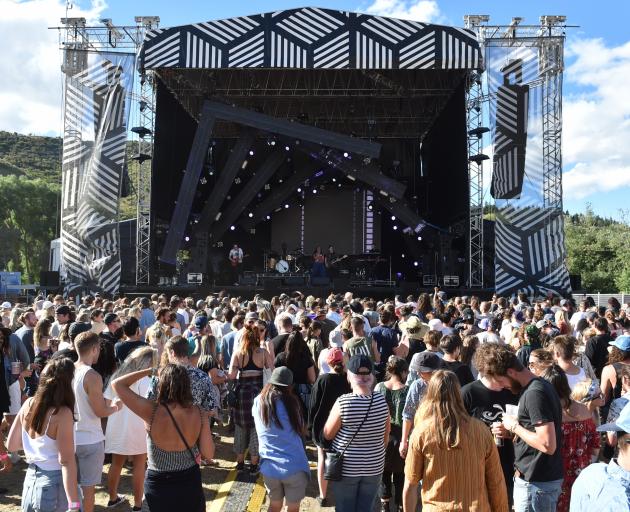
621,342
201,321
532,330
360,361
63,310
334,356
77,328
435,324
622,424
109,318
425,362
468,315
281,376
564,302
200,303
47,304
6,305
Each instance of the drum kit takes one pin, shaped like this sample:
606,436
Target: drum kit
293,262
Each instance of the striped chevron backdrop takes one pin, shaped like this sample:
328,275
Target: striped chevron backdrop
94,145
311,38
529,238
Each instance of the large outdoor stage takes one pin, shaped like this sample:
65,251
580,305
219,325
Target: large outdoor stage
286,131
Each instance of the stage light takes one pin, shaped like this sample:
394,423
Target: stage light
232,228
187,239
273,142
245,162
287,148
203,180
250,215
268,217
286,206
238,180
334,180
370,206
314,191
251,152
345,155
415,263
419,239
299,190
478,158
393,217
395,227
267,186
402,255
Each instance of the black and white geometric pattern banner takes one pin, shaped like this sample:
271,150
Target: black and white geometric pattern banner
311,38
94,145
530,253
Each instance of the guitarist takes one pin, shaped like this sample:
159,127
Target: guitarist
236,262
331,260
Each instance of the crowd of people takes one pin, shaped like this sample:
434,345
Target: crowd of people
444,403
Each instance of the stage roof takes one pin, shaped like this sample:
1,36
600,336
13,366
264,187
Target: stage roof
311,38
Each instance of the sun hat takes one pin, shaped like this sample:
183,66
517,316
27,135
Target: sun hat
281,376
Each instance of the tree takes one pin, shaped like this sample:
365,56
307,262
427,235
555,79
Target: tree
28,213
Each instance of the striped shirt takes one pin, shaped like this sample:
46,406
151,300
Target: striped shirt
365,456
468,477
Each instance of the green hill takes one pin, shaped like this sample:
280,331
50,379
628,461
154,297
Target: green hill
31,156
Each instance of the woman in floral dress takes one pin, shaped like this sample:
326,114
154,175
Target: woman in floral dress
580,440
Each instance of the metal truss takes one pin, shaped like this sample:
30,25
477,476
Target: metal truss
474,121
146,122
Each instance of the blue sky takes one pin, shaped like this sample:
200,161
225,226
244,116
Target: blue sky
596,136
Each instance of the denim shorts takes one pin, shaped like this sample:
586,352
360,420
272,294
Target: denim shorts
43,491
536,496
90,458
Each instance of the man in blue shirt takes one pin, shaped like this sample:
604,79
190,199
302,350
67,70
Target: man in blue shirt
147,318
386,340
606,487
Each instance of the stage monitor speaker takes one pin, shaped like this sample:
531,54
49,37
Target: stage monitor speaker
194,278
293,281
429,280
451,281
320,281
49,279
247,280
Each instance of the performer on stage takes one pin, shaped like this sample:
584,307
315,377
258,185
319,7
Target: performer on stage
319,266
236,261
331,257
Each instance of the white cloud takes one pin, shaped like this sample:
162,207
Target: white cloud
596,128
30,89
418,10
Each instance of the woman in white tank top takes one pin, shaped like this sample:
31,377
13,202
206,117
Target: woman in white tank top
44,429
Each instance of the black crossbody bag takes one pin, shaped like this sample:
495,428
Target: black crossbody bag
333,465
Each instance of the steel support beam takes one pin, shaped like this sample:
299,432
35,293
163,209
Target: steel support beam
189,185
279,193
294,130
402,212
237,205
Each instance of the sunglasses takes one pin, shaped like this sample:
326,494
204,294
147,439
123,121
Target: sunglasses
364,373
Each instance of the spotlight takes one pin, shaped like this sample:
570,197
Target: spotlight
250,215
402,255
273,142
345,155
267,186
238,180
286,205
334,180
393,217
395,227
419,239
251,152
268,217
415,263
280,180
187,239
370,206
314,191
287,148
232,228
299,190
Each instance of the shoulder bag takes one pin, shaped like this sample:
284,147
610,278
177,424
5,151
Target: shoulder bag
333,465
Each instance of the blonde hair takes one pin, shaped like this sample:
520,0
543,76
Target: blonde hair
138,359
580,390
442,411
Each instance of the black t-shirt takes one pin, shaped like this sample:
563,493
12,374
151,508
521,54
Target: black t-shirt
488,405
597,351
415,347
539,403
279,342
463,372
123,348
327,388
386,340
299,368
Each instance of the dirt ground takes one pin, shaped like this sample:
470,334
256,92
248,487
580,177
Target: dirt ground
212,478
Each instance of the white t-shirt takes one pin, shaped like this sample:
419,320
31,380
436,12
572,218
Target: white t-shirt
236,254
321,361
488,337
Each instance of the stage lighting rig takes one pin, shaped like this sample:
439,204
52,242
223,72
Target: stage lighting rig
475,20
550,20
